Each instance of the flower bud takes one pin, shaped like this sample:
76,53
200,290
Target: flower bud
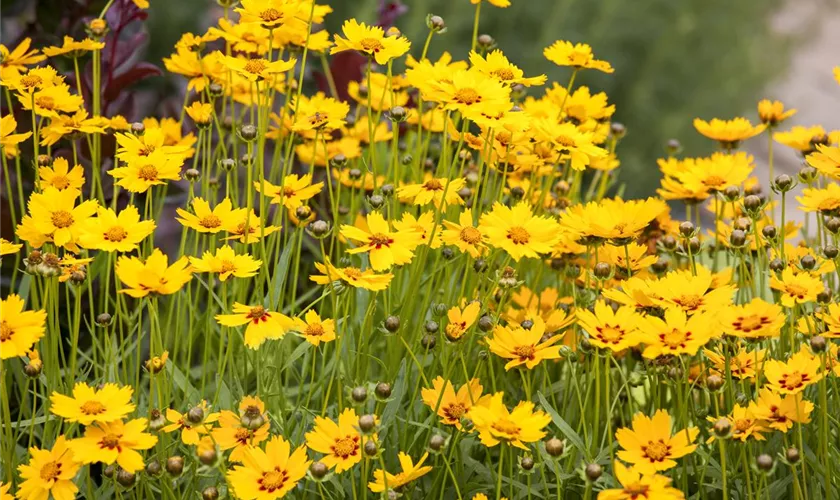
808,262
125,478
192,174
319,228
398,114
554,447
367,423
383,390
392,323
480,265
153,468
437,442
195,415
738,238
593,472
673,147
156,420
731,193
764,462
387,190
602,270
247,132
807,174
830,252
527,324
722,428
318,470
833,225
109,471
792,455
175,465
783,183
687,229
359,394
824,297
137,128
338,161
431,326
818,344
370,448
103,319
428,342
376,201
210,493
714,382
486,42
435,23
485,323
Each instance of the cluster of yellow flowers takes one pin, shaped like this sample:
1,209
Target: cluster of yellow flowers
432,225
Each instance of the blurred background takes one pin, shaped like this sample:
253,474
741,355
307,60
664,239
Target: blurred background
674,60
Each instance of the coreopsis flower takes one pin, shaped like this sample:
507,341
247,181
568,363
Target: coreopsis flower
49,473
137,148
638,486
729,133
361,129
318,112
269,474
384,247
15,61
464,235
461,320
271,14
314,329
614,330
262,324
744,424
410,472
524,347
421,74
381,95
650,446
452,406
796,287
51,101
142,172
4,491
241,37
826,200
355,277
471,93
294,191
518,231
7,247
716,173
758,319
613,219
691,293
206,219
496,424
73,48
675,335
201,113
191,430
617,256
41,77
578,56
439,191
371,41
116,441
226,263
200,71
743,364
793,376
8,139
779,412
239,432
154,275
424,225
19,329
772,113
156,363
246,227
69,267
495,3
801,138
319,156
89,405
569,141
256,69
830,320
60,176
498,66
55,213
339,441
826,159
113,232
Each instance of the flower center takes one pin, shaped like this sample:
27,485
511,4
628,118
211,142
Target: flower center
62,219
6,331
256,66
50,471
455,411
470,235
271,15
314,330
227,267
352,273
45,102
636,490
714,181
109,441
379,240
433,185
797,291
60,182
742,424
257,313
148,173
656,451
371,44
345,447
519,235
610,334
503,74
690,302
467,96
524,351
318,119
272,480
564,141
288,192
750,323
242,435
794,380
31,81
210,221
506,426
675,338
116,233
92,407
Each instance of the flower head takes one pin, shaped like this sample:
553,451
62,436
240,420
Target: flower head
371,41
518,231
113,232
49,473
262,324
19,329
268,474
314,329
650,445
154,275
410,472
226,263
339,441
495,423
116,441
638,486
384,247
89,405
524,347
729,133
578,56
452,406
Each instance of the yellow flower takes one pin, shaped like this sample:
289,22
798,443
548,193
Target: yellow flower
755,320
826,159
340,442
792,377
615,330
729,133
496,3
691,293
271,14
578,56
496,424
423,225
207,220
262,324
154,276
49,473
241,36
141,4
638,486
243,431
498,66
61,177
385,248
772,113
715,173
825,201
156,363
256,69
135,149
613,219
452,406
650,446
347,146
440,191
742,364
421,74
201,113
55,213
112,232
246,227
796,288
7,247
4,491
8,139
471,93
191,432
463,235
294,191
226,263
200,71
371,41
269,474
461,321
314,329
518,231
355,277
88,405
41,77
13,62
318,112
779,412
801,138
830,318
114,442
19,329
744,425
51,101
73,48
524,347
617,256
677,334
410,472
141,173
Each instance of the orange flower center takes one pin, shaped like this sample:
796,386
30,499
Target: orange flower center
31,81
116,233
433,185
467,96
610,334
6,331
60,182
62,219
210,221
314,330
690,302
318,119
455,411
794,380
750,323
148,173
271,15
503,74
506,426
636,490
656,451
565,141
675,338
524,351
455,330
242,435
110,441
227,267
288,192
379,240
256,66
470,235
272,480
92,407
352,273
346,446
519,235
797,291
371,44
50,471
257,313
742,424
45,102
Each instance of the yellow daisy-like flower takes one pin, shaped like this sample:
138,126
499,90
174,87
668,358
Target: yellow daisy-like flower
495,3
518,231
461,320
191,432
7,247
440,191
830,318
55,213
49,473
246,227
226,263
612,219
385,248
314,329
496,424
578,56
410,472
779,412
19,329
524,347
355,277
8,139
729,133
638,486
796,288
269,474
114,442
423,225
650,446
257,69
793,376
340,442
614,330
201,113
262,324
691,293
371,41
471,93
826,201
112,232
240,432
73,48
452,406
61,177
463,235
498,66
206,219
272,14
742,364
51,101
318,112
15,61
4,491
294,191
758,319
137,148
154,275
801,138
88,405
677,334
772,113
744,425
826,159
141,173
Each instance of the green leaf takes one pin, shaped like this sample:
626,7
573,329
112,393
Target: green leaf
281,270
299,351
396,397
564,427
183,383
